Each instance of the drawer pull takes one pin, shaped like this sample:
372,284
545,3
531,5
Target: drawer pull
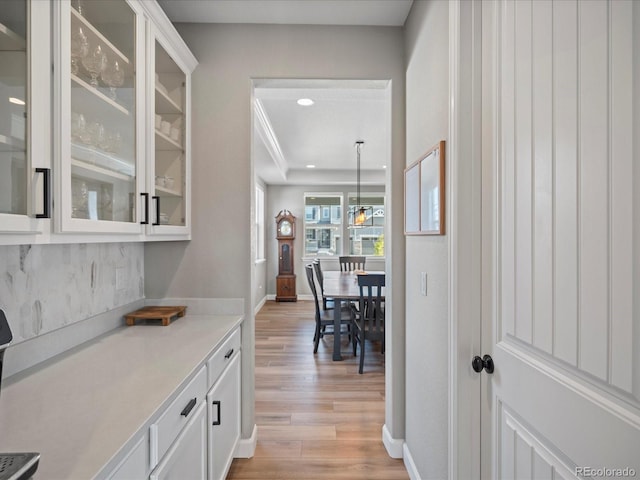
187,410
217,404
229,353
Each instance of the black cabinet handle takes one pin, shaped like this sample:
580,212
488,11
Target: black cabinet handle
187,410
217,404
157,200
46,193
146,209
229,353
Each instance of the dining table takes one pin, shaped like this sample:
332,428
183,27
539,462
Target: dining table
342,288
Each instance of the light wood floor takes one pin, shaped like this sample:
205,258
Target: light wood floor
317,419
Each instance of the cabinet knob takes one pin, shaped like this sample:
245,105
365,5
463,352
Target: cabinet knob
485,363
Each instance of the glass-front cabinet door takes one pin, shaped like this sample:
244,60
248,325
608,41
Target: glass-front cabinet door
24,100
101,117
169,142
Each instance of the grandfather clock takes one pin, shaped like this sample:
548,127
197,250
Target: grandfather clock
286,279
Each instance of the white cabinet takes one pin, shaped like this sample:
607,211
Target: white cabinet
168,142
175,417
107,149
100,116
223,405
136,464
186,459
196,435
25,159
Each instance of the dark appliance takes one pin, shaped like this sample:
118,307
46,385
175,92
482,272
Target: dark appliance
13,466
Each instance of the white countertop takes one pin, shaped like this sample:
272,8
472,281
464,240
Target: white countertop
82,407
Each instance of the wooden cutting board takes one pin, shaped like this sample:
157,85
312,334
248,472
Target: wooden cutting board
165,314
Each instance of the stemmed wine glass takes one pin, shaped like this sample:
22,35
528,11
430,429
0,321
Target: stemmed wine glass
113,77
79,48
95,63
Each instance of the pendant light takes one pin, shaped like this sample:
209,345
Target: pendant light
358,214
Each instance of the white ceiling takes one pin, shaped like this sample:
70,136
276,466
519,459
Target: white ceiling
288,137
305,12
323,134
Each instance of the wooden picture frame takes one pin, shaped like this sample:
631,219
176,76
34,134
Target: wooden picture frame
424,193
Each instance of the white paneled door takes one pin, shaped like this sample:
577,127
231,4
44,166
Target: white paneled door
565,324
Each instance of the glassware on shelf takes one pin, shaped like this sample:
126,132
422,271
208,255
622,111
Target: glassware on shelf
97,135
78,126
80,199
95,62
79,6
79,48
113,77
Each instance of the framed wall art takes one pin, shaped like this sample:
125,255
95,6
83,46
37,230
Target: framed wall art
424,193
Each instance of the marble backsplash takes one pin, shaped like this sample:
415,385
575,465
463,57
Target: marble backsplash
46,287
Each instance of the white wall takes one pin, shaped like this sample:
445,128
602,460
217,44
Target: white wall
217,263
427,92
292,198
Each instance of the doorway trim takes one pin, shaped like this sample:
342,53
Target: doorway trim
392,432
465,235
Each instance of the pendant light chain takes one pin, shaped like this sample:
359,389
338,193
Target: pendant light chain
358,146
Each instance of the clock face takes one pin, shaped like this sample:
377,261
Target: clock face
285,228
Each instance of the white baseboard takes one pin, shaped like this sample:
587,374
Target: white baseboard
393,445
410,464
304,296
246,447
260,305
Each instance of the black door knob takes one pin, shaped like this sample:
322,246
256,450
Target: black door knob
485,363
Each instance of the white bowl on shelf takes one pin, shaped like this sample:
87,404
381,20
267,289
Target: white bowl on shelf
158,121
175,134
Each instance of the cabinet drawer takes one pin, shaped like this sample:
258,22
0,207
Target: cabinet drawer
221,358
136,465
176,416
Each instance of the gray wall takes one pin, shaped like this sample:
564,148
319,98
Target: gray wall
217,262
427,92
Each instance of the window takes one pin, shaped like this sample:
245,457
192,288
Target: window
322,224
260,233
325,234
368,239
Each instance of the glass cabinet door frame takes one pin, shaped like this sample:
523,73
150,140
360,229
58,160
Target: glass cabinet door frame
63,221
154,34
38,152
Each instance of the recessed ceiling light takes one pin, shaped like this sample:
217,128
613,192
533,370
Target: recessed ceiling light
311,166
384,166
305,102
16,101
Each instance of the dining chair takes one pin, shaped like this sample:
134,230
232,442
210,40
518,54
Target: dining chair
349,263
327,303
368,315
324,318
